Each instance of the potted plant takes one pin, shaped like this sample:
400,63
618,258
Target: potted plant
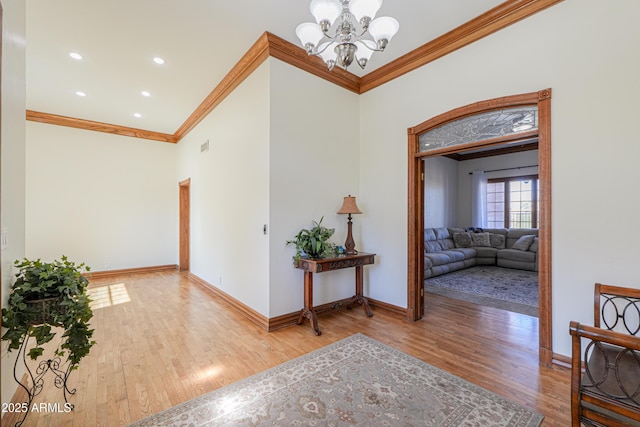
45,295
314,242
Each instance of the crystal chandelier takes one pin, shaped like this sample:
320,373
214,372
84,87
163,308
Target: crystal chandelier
345,30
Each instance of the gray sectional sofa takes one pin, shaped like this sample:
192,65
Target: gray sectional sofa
451,249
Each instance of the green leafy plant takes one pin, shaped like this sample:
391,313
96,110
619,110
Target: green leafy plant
313,242
45,295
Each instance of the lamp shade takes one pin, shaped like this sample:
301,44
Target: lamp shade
325,10
349,206
364,50
362,8
326,50
384,28
309,33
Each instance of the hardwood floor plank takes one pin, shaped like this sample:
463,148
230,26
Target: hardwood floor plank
163,340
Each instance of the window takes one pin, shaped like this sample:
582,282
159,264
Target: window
513,202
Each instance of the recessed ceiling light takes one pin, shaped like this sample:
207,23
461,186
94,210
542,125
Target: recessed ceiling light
75,55
145,93
80,93
138,115
158,60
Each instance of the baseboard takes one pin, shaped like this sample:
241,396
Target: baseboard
292,318
257,318
562,360
279,322
391,309
126,271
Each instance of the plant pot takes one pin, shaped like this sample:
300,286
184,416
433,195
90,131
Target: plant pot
46,309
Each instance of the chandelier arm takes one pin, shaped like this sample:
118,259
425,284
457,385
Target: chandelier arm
372,49
364,40
349,33
326,46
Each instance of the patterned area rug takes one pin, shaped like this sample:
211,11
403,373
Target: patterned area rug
504,288
355,381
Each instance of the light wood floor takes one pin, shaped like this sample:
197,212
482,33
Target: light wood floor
165,341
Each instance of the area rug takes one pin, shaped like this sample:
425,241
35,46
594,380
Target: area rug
356,381
504,288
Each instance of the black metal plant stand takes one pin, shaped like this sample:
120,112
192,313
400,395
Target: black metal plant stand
37,378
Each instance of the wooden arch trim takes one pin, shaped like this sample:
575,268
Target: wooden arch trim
415,216
270,45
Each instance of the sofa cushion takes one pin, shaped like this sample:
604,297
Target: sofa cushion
454,255
517,255
427,263
480,239
482,252
438,258
432,246
429,235
441,233
468,253
497,240
534,245
462,240
513,234
447,244
523,243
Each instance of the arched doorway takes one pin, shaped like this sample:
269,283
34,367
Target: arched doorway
415,279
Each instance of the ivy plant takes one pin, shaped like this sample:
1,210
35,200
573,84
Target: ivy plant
60,285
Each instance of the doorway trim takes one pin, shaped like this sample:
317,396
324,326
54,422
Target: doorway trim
185,224
415,217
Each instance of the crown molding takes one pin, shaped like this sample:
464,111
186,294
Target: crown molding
256,55
501,16
294,55
54,119
270,45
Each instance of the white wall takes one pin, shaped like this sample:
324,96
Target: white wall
440,192
106,200
514,160
13,161
314,164
284,152
230,193
586,51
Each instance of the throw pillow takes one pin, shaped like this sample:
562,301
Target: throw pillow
534,245
523,243
480,239
462,240
497,240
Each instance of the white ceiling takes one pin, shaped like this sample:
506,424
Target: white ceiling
201,40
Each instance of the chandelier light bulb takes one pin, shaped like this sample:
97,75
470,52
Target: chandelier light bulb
364,52
346,30
309,35
326,10
383,29
364,8
327,53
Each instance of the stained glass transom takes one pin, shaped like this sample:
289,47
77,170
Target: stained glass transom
480,127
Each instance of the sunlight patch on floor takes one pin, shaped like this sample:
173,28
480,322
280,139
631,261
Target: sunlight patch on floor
105,296
210,372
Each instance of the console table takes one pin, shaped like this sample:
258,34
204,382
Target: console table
321,265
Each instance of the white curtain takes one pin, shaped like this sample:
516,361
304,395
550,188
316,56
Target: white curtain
479,199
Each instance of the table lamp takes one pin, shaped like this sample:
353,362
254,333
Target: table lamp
349,207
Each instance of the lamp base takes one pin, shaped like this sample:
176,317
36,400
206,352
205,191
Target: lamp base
350,244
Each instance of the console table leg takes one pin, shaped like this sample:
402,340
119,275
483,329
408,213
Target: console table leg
308,310
359,297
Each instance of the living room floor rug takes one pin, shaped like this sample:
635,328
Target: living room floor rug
355,381
504,288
